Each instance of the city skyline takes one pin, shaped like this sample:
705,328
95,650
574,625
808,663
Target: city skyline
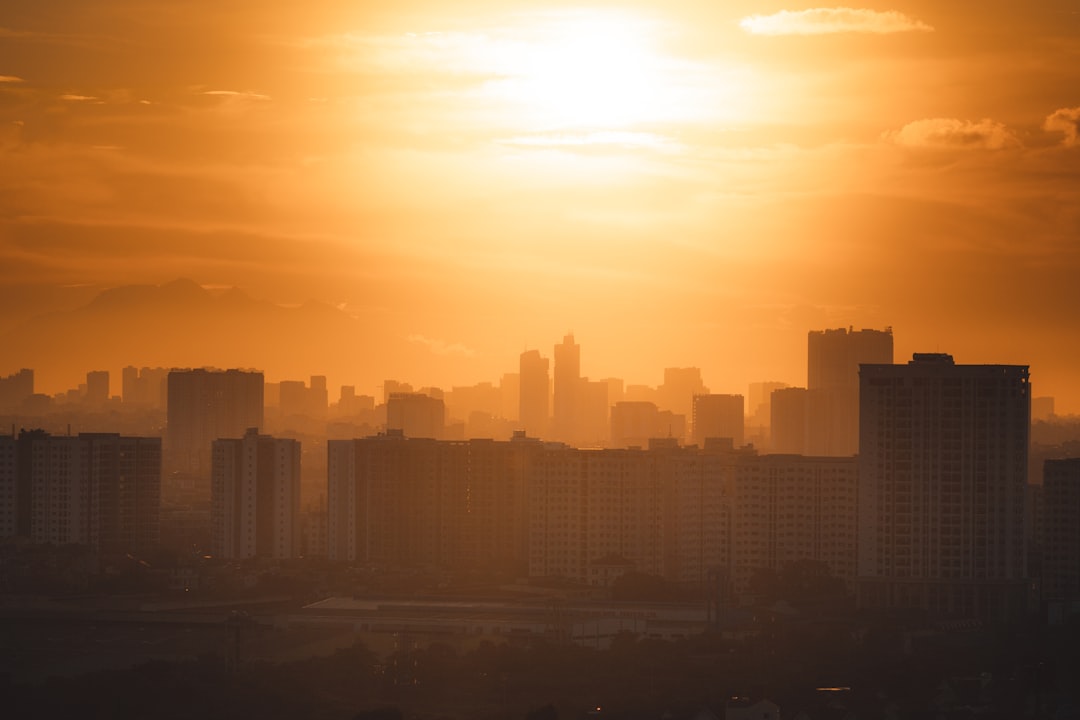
677,184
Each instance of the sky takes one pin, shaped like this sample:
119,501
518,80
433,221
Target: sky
678,183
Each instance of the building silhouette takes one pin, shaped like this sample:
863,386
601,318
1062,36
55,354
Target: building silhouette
534,386
719,416
100,490
397,501
1061,530
568,391
525,507
832,377
204,405
788,418
255,497
416,415
16,389
942,478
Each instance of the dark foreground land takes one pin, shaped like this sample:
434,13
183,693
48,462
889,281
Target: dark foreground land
192,665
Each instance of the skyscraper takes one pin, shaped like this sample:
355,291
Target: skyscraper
942,476
1061,529
416,415
534,384
255,491
568,391
833,359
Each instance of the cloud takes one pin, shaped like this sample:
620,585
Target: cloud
245,95
1066,121
823,21
77,98
950,133
441,347
10,79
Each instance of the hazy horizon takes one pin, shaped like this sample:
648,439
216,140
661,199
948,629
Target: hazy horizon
678,184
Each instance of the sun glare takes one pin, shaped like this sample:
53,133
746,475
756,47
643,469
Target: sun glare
585,70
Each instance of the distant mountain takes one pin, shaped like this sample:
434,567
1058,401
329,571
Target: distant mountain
181,324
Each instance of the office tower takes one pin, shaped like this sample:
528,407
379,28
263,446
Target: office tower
942,475
534,389
101,490
718,416
204,405
788,421
255,497
416,415
564,422
1042,408
679,388
833,359
15,389
1061,530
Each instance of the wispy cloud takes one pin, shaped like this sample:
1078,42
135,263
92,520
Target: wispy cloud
239,95
1067,122
951,133
823,21
71,97
10,79
441,347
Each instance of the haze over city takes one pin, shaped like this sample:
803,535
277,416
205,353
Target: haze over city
486,360
678,184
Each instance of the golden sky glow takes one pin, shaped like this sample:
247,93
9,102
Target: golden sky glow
679,183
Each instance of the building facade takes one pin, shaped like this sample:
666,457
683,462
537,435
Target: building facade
255,497
942,478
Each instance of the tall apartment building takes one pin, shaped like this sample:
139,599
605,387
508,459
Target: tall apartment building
719,416
255,497
832,377
1061,530
549,510
204,405
400,501
101,490
942,477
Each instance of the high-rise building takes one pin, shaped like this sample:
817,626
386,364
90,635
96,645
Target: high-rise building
718,416
568,391
833,360
1061,530
633,424
102,490
942,476
145,387
16,389
255,497
204,405
535,387
787,430
416,415
97,387
394,500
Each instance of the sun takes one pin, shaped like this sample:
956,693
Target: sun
586,70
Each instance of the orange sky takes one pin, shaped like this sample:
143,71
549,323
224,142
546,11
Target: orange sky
678,183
